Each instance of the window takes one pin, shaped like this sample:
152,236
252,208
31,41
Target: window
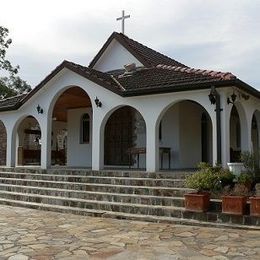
238,135
160,131
84,129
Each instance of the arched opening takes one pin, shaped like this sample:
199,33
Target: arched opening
71,129
185,136
125,139
29,142
235,135
255,136
3,141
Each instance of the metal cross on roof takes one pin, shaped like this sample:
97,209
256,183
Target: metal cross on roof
123,17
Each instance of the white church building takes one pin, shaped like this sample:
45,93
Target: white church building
132,107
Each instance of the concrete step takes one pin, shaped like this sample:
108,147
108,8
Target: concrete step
126,189
93,195
109,173
129,216
143,209
131,181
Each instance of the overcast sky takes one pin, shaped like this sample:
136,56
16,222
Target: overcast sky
208,34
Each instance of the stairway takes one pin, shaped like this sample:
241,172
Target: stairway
156,197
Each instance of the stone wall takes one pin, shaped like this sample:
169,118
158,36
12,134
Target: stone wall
2,144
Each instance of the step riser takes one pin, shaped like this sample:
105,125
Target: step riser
98,180
219,219
99,197
86,187
142,209
134,174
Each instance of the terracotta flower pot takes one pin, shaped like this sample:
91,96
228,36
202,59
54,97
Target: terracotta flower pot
198,202
235,205
255,206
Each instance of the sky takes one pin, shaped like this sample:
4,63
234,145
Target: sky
206,34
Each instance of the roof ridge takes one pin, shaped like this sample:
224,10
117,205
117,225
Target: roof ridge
211,73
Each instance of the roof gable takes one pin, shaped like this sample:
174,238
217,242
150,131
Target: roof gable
114,57
145,55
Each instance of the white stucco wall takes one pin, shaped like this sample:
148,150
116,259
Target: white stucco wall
171,135
152,108
78,155
115,57
181,131
190,135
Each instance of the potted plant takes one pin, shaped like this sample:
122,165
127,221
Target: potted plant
255,206
250,161
203,182
234,202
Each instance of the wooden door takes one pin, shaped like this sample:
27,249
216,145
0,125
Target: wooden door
119,136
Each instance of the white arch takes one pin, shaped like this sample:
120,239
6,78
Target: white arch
171,104
203,107
59,93
104,122
4,142
111,111
245,145
14,134
55,97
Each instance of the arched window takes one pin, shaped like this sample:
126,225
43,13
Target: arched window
84,129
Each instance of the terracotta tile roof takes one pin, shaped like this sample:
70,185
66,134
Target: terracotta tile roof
147,56
94,75
11,102
211,73
176,77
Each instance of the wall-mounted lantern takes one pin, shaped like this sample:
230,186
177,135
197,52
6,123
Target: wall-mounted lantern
39,109
98,102
232,99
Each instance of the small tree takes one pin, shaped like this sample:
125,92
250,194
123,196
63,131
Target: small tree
12,84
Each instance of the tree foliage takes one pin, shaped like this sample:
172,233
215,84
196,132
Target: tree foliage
10,84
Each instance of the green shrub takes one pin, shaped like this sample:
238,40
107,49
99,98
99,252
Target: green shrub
202,181
209,178
225,177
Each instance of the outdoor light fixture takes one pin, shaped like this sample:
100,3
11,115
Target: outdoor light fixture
98,102
233,99
39,109
212,96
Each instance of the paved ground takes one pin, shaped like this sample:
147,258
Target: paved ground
31,234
